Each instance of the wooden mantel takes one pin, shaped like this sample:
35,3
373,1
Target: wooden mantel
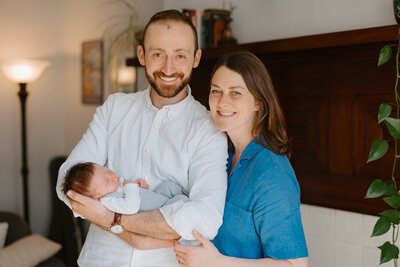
330,88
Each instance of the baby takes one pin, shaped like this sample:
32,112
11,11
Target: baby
116,193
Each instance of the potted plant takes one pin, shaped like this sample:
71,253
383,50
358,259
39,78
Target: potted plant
388,190
121,37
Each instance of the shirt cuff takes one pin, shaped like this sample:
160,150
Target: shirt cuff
170,213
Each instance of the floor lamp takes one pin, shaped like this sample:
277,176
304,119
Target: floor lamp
24,72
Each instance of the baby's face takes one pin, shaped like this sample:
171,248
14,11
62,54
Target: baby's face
104,181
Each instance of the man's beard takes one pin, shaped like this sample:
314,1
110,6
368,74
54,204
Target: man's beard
168,91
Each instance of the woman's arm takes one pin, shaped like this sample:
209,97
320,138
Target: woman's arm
207,255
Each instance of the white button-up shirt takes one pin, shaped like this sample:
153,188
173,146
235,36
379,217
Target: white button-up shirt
179,143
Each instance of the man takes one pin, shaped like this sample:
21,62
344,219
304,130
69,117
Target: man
158,134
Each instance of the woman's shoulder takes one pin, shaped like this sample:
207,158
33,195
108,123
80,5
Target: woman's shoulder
273,169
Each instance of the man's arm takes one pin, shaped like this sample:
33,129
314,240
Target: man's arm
92,147
142,242
149,223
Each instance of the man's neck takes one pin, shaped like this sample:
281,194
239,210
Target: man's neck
160,101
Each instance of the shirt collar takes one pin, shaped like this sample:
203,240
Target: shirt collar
174,109
251,150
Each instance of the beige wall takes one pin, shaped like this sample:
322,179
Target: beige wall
31,29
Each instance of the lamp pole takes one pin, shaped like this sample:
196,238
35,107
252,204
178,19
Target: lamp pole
24,71
23,94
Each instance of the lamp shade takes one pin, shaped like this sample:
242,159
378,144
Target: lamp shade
126,75
23,70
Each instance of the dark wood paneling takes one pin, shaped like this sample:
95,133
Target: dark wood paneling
330,88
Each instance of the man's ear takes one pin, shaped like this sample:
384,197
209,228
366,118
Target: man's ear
197,57
140,55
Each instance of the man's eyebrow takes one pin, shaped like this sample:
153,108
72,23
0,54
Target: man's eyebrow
156,49
181,49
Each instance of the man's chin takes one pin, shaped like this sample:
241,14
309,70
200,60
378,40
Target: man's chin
169,91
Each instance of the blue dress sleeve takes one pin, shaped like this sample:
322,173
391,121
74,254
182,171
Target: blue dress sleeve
277,214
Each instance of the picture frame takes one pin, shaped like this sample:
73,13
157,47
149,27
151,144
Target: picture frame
92,72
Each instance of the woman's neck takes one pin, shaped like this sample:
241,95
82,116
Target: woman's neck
239,143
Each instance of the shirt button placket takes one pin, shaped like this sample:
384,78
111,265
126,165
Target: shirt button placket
150,142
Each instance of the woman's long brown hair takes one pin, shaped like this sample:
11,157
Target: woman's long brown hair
269,127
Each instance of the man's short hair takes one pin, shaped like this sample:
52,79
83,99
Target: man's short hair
78,178
172,15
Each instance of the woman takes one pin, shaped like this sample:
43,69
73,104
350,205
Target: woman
262,222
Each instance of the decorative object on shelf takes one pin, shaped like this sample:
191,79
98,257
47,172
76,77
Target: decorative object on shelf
92,72
23,72
217,30
121,37
389,190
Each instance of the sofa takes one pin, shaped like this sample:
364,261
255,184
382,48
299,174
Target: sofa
22,248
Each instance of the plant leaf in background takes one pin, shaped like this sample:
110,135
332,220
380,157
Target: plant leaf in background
384,112
391,215
390,190
384,55
376,189
393,201
393,126
378,149
381,227
388,252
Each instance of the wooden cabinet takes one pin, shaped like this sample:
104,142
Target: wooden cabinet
330,88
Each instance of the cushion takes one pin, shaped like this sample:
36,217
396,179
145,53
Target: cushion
28,251
3,233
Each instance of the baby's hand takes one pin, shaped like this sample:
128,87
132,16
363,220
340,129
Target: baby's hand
140,182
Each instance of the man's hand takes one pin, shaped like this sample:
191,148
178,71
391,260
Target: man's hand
91,209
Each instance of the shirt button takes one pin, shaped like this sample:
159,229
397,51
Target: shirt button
147,150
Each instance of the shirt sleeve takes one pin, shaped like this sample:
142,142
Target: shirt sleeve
277,215
207,188
128,204
91,148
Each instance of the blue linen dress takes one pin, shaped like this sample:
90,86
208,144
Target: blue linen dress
262,210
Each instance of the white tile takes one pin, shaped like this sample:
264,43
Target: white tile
348,255
321,221
349,227
368,225
371,258
321,251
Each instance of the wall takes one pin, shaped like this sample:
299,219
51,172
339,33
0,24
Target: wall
335,238
28,30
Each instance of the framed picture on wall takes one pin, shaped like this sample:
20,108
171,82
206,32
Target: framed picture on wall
92,72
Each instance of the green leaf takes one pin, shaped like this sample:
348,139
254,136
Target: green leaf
384,55
393,126
384,112
381,227
376,189
393,201
392,216
388,252
390,190
378,149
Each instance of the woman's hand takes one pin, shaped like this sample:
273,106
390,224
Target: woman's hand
204,255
